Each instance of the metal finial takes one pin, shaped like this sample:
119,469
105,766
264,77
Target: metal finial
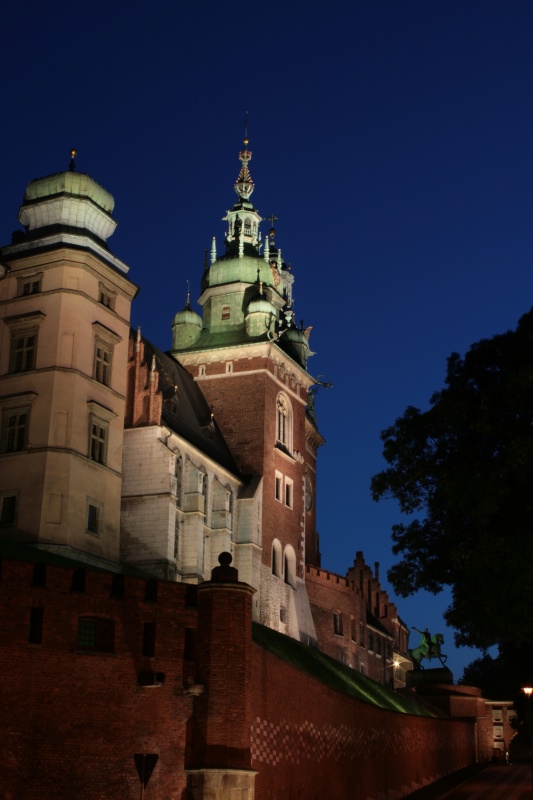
188,293
245,140
72,165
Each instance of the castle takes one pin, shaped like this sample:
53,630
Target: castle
126,471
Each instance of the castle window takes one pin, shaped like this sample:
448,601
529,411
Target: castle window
29,285
201,370
290,566
289,493
149,639
337,623
361,634
78,580
23,349
150,590
15,427
282,614
96,633
278,486
99,418
226,312
8,510
39,574
98,442
106,297
118,586
276,558
35,634
102,363
23,352
229,366
104,344
177,538
370,640
352,628
284,421
94,516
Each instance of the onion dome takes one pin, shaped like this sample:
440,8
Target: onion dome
71,200
186,327
261,314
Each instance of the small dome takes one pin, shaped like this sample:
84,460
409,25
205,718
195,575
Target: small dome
185,328
188,317
260,304
71,200
73,183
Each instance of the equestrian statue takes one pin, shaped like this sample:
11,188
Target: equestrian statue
429,648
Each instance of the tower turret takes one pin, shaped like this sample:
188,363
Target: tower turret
250,360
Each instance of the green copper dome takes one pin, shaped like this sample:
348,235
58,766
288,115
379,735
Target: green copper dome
72,183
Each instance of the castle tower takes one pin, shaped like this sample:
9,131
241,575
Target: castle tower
250,360
65,308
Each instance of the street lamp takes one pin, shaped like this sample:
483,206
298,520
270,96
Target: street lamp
528,690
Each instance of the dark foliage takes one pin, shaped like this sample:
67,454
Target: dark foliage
463,471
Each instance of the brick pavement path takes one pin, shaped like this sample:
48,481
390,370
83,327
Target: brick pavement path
492,783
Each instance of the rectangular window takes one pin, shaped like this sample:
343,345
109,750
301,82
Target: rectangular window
106,297
31,287
78,580
150,590
362,634
337,623
35,634
288,492
23,351
98,442
118,586
8,510
39,574
279,480
15,423
149,639
370,641
96,633
94,516
102,363
29,284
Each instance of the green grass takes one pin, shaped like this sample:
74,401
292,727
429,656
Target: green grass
334,674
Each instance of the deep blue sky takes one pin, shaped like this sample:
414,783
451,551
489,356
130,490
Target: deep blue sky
393,140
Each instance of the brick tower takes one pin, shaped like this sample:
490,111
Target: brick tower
250,360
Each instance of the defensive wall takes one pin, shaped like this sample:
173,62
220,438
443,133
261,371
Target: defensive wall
169,680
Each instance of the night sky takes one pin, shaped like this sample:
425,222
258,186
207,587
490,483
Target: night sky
393,141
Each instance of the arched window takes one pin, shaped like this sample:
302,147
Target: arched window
290,566
276,558
284,421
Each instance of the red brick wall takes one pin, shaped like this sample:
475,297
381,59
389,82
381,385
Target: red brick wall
245,409
72,720
310,742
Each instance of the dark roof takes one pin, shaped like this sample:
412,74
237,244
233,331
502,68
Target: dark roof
185,409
